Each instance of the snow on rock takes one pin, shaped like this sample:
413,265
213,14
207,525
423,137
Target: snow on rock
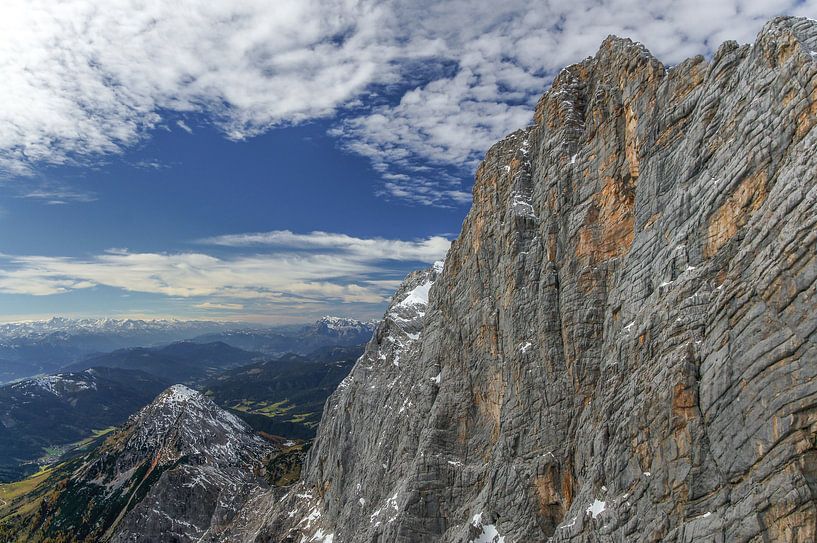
521,205
596,508
60,385
321,537
182,421
403,325
489,533
418,296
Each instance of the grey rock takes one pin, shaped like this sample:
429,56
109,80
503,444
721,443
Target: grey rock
208,463
621,344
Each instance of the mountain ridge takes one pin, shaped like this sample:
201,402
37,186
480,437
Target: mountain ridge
33,348
179,468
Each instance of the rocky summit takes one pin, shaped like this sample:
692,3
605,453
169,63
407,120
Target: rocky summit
180,469
621,343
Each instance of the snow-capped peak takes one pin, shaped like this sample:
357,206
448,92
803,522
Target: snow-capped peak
343,323
182,421
181,393
65,325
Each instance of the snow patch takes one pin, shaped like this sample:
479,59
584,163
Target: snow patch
520,203
596,508
489,532
321,537
418,295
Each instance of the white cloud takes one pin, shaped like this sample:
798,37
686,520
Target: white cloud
183,125
219,306
326,268
55,194
371,249
85,77
89,77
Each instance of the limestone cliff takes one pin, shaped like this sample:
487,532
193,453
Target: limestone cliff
621,343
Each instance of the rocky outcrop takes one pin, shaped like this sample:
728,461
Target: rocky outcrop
204,464
621,344
179,470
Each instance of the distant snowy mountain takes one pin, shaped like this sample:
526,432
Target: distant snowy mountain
27,329
35,347
298,339
342,326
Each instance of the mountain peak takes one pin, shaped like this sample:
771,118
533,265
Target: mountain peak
181,393
182,421
180,466
342,326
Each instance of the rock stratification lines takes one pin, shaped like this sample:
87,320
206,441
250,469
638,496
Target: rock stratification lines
621,344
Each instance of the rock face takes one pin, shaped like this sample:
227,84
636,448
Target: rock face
621,344
207,464
179,470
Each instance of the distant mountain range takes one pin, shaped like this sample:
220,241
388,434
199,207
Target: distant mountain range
50,418
297,339
120,327
41,347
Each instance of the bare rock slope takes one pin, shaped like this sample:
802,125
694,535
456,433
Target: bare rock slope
179,470
621,344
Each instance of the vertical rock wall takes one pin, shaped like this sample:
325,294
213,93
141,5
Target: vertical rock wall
621,345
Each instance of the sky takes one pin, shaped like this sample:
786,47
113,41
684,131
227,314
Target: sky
275,161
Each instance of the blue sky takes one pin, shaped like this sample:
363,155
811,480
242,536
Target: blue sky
179,187
273,162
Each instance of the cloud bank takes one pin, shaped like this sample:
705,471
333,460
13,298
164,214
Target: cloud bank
293,271
420,88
